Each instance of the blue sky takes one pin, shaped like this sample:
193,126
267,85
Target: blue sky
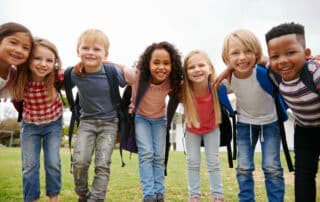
133,25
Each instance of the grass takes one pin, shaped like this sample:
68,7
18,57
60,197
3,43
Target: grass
124,183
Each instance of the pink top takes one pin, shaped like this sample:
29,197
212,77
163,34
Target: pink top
153,104
205,111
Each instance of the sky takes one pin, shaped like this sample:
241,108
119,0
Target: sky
132,25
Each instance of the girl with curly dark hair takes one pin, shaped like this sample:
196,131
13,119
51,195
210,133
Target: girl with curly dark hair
158,73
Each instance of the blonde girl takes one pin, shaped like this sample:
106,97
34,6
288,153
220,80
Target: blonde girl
202,111
41,123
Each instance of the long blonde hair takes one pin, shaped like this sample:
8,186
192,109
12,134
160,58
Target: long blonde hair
188,96
24,73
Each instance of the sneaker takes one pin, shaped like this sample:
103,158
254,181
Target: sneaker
215,198
159,198
194,198
149,200
84,198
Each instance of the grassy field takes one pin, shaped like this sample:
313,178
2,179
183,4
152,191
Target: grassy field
124,183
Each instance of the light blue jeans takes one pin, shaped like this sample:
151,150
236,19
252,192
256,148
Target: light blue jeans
32,138
247,137
94,136
151,140
211,142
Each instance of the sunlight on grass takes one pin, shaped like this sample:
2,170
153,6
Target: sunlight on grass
124,184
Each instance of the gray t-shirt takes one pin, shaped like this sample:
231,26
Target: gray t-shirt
94,94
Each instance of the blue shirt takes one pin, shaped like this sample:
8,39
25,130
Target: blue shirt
94,94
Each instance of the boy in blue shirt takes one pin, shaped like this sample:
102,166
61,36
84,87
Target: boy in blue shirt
99,120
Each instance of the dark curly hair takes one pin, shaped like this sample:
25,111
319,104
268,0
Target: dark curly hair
176,75
285,29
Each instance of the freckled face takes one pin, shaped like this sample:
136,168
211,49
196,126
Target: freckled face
160,66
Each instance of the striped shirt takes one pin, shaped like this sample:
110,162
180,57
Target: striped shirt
36,107
304,103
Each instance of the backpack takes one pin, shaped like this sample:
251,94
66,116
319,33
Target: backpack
227,127
111,76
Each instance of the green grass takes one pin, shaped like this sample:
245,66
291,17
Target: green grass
124,183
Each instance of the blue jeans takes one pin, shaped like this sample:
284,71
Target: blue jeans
247,137
151,140
211,144
32,137
94,136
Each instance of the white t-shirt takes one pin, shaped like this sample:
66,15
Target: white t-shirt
254,105
4,91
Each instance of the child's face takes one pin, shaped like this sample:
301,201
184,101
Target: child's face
286,56
160,65
15,49
92,55
198,69
241,58
41,63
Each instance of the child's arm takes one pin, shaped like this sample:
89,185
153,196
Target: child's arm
226,74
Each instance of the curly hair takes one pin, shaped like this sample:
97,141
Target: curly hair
176,75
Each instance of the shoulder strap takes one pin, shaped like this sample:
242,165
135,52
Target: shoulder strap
269,81
171,109
113,84
225,102
307,78
74,106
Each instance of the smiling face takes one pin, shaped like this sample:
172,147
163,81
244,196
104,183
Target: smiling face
286,56
41,63
92,55
241,58
160,65
198,69
15,49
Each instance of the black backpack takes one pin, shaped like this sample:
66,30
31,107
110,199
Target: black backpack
111,76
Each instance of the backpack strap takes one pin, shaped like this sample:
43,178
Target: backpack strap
171,109
225,102
75,116
269,85
307,78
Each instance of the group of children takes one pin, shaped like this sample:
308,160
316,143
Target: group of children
34,65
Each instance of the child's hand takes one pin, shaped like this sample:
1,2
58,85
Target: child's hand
264,61
226,74
79,69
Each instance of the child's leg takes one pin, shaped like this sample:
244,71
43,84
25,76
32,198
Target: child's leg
30,152
247,136
158,133
271,164
51,149
83,150
307,150
193,143
106,137
151,155
211,143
